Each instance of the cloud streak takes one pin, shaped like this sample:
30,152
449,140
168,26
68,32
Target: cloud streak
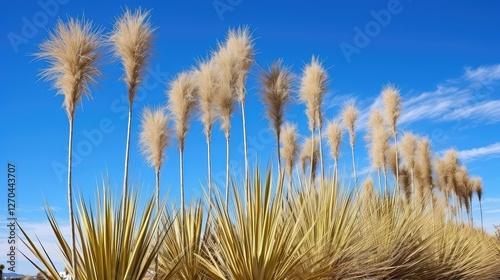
469,97
489,151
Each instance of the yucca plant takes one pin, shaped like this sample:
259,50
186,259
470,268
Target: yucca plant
117,241
276,94
392,106
72,51
153,140
258,239
184,245
312,90
333,246
350,115
181,102
132,39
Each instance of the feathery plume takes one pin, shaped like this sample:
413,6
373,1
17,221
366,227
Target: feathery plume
334,135
392,159
477,184
423,166
154,136
392,105
309,152
289,147
205,78
350,115
276,94
312,90
181,102
378,137
72,52
408,148
239,45
224,99
132,39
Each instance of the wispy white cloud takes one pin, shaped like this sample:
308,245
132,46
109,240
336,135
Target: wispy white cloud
483,74
489,151
470,97
491,199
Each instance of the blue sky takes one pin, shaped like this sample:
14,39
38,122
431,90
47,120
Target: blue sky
444,57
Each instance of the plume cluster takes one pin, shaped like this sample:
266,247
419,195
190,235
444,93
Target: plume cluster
312,90
154,136
181,102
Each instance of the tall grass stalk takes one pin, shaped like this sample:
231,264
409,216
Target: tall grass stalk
289,150
276,94
206,79
132,39
239,45
392,105
72,51
312,90
334,136
153,140
181,102
350,115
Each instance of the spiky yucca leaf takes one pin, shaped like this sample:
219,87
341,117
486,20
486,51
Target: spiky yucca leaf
114,244
180,250
259,240
333,246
